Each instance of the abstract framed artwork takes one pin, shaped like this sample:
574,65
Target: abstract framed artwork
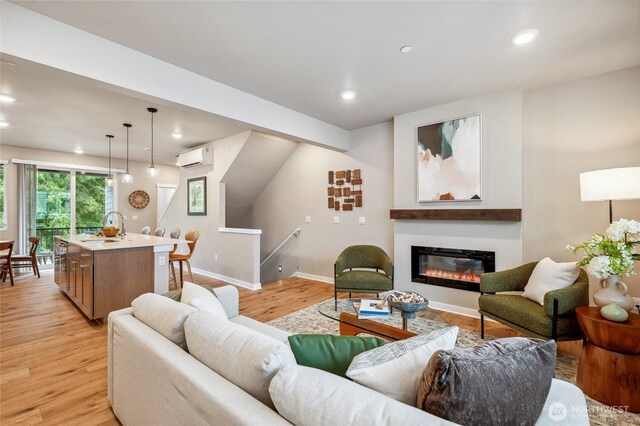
450,160
197,196
345,189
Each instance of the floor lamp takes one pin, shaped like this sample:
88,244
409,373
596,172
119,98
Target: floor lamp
610,184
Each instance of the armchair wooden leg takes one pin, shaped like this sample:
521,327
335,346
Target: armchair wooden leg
36,270
482,326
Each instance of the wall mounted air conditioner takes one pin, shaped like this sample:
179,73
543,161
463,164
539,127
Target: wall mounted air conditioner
197,157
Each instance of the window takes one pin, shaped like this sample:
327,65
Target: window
3,216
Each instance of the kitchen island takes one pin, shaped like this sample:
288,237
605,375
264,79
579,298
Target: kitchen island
101,275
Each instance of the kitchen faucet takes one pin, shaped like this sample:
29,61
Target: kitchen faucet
123,232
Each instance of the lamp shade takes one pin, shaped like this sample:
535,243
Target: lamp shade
610,184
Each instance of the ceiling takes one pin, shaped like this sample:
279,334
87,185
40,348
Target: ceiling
60,111
303,54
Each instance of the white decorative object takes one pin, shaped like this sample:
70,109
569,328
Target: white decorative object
395,369
202,299
548,276
612,290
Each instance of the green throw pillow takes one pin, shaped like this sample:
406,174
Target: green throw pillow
329,352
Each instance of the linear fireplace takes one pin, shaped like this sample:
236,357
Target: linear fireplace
453,268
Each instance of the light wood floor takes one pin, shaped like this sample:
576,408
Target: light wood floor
53,361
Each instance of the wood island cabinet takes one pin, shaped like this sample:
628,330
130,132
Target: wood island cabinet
102,281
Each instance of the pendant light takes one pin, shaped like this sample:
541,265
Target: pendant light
152,171
127,178
109,178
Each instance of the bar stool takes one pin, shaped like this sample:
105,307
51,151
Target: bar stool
159,232
146,230
192,237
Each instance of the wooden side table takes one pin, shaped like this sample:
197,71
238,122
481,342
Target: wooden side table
609,368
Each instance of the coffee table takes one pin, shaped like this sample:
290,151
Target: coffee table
389,328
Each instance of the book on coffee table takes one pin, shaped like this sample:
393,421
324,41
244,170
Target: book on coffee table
369,309
356,307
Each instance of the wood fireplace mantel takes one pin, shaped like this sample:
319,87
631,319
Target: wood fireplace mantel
485,215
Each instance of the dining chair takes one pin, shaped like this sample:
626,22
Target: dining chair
146,230
28,260
192,238
159,232
6,247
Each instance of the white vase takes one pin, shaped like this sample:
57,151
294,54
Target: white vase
612,290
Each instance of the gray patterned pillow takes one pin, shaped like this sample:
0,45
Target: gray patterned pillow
394,369
502,382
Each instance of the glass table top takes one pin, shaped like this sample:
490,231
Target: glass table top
425,322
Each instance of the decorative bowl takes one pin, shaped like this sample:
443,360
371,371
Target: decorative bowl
409,307
110,231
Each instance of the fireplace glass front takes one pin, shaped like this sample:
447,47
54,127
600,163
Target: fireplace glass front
455,268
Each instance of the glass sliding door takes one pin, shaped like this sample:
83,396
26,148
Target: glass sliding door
53,206
69,202
93,199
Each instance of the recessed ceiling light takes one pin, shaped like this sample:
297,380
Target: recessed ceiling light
78,150
524,37
177,135
6,98
406,49
4,124
348,95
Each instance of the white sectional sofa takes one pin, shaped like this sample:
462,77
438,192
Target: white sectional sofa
153,381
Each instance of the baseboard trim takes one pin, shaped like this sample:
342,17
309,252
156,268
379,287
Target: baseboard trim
313,277
467,312
234,281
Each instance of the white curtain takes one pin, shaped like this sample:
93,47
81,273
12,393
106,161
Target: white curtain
27,193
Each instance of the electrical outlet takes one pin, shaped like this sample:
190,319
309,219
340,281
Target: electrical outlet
279,268
307,219
336,219
215,257
362,220
161,261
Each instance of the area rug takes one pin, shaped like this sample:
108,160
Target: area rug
310,321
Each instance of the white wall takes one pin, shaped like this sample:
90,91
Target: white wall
146,216
211,243
299,189
501,188
569,128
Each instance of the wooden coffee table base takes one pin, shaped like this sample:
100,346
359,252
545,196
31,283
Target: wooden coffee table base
350,325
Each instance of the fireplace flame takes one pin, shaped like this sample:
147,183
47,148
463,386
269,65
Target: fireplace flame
451,275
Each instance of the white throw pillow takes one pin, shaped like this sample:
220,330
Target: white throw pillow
309,397
395,369
202,299
549,275
164,315
243,356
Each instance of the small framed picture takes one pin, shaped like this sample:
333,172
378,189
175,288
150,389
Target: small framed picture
197,196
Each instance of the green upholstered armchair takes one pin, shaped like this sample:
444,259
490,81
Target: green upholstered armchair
362,269
555,320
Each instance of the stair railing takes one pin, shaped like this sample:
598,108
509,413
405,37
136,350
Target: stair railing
280,246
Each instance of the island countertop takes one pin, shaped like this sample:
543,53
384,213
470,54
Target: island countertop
131,240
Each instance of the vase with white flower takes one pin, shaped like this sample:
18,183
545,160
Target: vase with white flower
607,257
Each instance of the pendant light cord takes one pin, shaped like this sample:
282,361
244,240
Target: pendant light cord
152,165
127,150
